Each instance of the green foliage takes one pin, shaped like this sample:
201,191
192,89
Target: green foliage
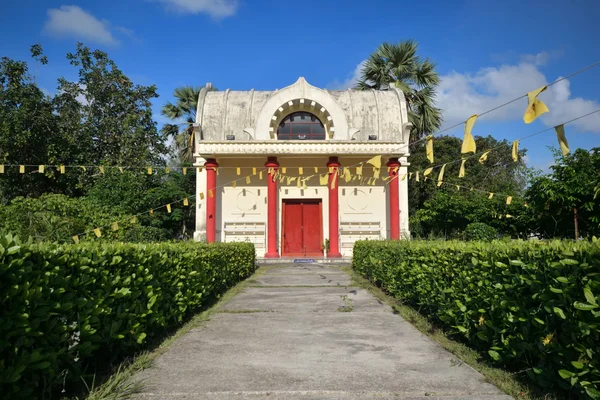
527,305
65,309
480,231
398,65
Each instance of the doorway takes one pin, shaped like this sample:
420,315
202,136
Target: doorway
302,227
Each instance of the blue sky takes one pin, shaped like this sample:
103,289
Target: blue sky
487,51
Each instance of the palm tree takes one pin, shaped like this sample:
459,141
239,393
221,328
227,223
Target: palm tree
183,110
399,65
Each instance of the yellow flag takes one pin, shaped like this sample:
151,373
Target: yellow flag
359,170
149,171
515,151
151,212
253,170
133,219
41,169
347,175
121,169
299,183
300,170
316,170
535,107
101,168
247,179
21,169
427,171
260,175
468,144
376,172
1,168
491,195
233,184
167,170
98,232
201,196
375,162
186,202
441,175
562,140
198,170
410,174
284,170
62,169
333,181
76,239
374,182
508,216
417,176
461,172
184,171
210,193
115,226
429,148
169,208
404,176
323,179
508,200
484,157
458,188
83,168
238,171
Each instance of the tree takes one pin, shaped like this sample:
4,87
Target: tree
184,109
565,202
398,65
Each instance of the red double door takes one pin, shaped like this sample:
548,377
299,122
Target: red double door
302,228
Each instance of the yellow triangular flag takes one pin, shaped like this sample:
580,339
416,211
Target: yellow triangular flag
167,170
427,171
247,179
515,151
62,169
535,107
508,200
186,202
133,220
98,232
260,175
468,144
83,168
149,171
410,174
121,169
21,169
201,196
101,169
169,208
151,212
198,170
429,148
316,170
233,184
458,188
347,175
1,168
300,170
441,175
253,170
484,157
461,172
374,182
210,193
376,172
375,162
238,171
284,170
323,179
417,176
76,239
508,216
41,169
562,140
115,226
299,183
491,195
184,171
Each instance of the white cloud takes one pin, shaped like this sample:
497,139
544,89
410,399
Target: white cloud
350,82
214,8
461,95
74,22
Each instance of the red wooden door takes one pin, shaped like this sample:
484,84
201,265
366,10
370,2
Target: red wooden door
301,227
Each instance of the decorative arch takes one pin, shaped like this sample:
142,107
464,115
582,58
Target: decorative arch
301,97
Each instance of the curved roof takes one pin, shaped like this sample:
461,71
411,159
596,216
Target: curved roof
347,114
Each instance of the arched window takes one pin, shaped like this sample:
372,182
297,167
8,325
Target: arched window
301,126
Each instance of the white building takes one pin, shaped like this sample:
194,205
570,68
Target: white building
289,135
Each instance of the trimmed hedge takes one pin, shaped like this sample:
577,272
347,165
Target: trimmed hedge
525,305
67,309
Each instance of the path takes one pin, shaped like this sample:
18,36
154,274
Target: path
303,332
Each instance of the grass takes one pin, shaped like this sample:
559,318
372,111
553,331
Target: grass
509,382
120,386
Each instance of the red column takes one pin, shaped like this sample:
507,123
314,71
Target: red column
272,209
211,166
394,166
334,250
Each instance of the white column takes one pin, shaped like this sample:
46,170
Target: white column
403,199
200,232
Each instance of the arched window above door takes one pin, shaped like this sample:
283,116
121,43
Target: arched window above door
301,126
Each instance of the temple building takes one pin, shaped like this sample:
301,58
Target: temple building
287,169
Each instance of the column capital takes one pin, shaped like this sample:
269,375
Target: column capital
211,163
272,162
393,162
333,162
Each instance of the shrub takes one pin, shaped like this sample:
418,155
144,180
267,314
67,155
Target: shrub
66,308
480,231
529,306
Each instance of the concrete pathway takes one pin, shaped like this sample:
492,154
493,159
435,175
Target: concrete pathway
303,332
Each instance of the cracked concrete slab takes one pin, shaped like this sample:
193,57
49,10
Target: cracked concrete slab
307,349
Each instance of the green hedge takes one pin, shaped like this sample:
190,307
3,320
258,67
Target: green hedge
67,309
525,305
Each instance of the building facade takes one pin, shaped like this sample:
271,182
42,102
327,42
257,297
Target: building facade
279,168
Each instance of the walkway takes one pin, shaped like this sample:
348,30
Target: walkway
303,332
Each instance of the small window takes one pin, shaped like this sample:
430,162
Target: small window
301,126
